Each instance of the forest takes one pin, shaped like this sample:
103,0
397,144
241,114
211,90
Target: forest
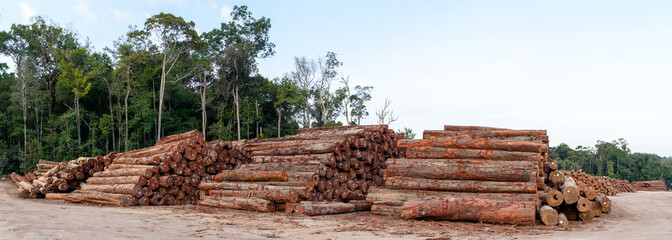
63,99
614,159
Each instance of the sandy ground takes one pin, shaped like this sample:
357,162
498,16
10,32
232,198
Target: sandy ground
644,215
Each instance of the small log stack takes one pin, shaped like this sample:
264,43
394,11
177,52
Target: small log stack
573,195
465,173
601,184
57,177
167,173
322,164
649,185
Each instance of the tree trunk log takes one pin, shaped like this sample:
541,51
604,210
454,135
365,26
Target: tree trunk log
251,176
562,220
484,170
252,203
276,195
548,215
522,135
122,200
456,153
385,210
471,209
570,192
323,208
398,195
466,143
146,172
130,189
142,180
460,185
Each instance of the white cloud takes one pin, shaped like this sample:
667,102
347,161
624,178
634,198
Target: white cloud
26,11
121,15
83,8
226,12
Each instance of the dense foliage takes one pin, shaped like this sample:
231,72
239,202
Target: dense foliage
614,159
64,100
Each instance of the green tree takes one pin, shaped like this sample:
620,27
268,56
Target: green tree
76,70
358,102
175,37
288,97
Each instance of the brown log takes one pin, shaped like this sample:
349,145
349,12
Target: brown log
471,209
336,129
361,205
276,195
456,153
325,158
590,193
386,210
142,180
604,202
269,145
460,185
122,200
122,166
562,220
457,128
252,203
55,195
130,189
146,172
251,176
550,166
556,177
149,160
583,204
467,143
193,134
484,170
207,185
317,148
520,135
586,216
323,208
399,195
596,208
554,198
548,215
570,192
279,166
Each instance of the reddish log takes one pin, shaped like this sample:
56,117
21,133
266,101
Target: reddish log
471,209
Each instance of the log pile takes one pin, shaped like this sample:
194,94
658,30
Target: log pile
167,173
649,185
465,173
570,195
325,164
604,185
57,177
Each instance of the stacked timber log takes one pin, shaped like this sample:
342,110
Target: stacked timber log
167,173
564,198
649,185
604,185
317,165
61,177
465,173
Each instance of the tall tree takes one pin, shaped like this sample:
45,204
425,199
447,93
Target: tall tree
288,96
358,102
77,67
175,37
304,76
244,39
15,44
347,99
328,72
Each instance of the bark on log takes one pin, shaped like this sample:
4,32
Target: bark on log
276,195
604,202
466,143
596,208
123,200
287,167
149,160
325,158
471,209
460,185
130,189
386,210
146,172
154,169
570,192
519,135
323,208
456,153
457,128
251,176
590,193
562,220
554,198
583,204
253,204
142,180
483,170
548,215
556,177
398,195
586,216
325,147
361,205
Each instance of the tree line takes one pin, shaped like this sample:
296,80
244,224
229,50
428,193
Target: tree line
64,99
614,159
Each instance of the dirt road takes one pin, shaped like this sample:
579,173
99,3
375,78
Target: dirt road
634,216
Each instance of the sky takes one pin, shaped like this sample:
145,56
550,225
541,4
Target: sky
583,70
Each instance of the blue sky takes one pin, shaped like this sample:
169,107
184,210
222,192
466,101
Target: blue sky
583,70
